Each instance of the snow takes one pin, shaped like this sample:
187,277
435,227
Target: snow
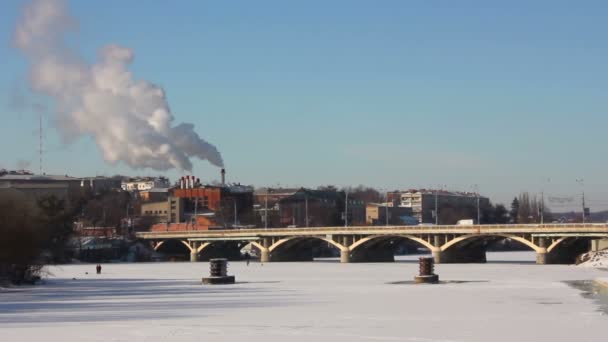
509,299
595,259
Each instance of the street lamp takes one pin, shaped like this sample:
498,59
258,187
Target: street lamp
266,209
235,211
346,209
478,211
306,209
581,182
386,207
542,203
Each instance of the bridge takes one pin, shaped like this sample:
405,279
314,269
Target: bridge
553,243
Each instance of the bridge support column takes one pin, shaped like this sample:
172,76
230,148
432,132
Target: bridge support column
344,256
193,256
437,255
265,255
541,256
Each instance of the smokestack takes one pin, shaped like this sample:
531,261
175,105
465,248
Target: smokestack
181,183
198,182
223,176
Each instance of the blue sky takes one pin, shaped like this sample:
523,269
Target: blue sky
510,96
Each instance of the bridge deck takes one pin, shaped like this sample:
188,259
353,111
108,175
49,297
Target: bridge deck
589,229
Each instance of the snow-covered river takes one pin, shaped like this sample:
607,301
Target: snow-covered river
508,299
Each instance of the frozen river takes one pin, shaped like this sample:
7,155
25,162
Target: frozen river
507,299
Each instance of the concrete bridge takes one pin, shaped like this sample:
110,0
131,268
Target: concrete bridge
553,243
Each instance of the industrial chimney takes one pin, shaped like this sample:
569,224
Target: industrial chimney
223,176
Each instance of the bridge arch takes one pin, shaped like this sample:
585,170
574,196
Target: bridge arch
284,240
460,239
556,243
367,239
161,243
302,248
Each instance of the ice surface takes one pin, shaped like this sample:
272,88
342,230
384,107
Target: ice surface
508,299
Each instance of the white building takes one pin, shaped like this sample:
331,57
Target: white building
145,184
424,204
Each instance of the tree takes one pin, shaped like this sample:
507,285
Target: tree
501,215
56,222
514,213
364,193
33,234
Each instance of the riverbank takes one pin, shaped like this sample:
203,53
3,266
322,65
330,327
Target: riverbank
595,259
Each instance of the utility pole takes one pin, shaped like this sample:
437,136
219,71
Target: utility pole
542,200
266,210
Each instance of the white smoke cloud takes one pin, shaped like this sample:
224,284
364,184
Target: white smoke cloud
129,119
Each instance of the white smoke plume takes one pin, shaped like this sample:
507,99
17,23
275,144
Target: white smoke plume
129,119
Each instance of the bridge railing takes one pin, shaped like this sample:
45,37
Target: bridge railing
532,228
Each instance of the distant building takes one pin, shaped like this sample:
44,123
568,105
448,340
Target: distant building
154,195
194,206
99,184
451,205
158,211
307,208
144,184
376,214
37,186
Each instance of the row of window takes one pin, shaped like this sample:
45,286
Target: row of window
155,212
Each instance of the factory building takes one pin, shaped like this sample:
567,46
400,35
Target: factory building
195,206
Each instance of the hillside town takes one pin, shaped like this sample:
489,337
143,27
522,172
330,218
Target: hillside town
108,211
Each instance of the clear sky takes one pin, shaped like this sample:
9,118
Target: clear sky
508,95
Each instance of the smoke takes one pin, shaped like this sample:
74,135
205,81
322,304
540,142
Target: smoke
129,119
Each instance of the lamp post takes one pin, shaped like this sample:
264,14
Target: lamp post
542,203
235,214
266,210
436,212
386,207
235,211
581,182
346,210
478,211
306,209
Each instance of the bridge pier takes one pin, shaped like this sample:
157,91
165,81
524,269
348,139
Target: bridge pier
193,256
454,255
264,255
344,256
541,256
437,256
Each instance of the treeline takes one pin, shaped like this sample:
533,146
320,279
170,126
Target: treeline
529,209
32,234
